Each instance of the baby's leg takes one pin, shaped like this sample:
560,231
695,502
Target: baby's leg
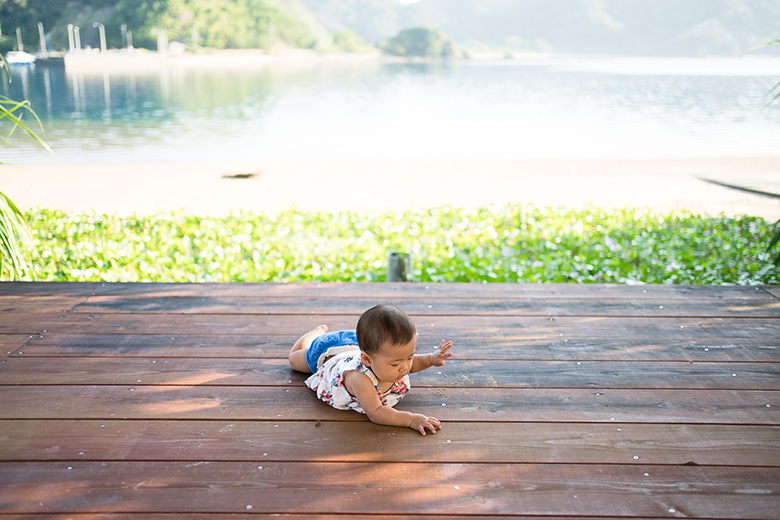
297,355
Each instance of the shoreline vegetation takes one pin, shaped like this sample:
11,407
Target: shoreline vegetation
229,57
518,243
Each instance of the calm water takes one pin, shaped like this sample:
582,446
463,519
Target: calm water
621,108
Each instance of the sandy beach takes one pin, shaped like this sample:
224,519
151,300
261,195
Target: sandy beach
208,189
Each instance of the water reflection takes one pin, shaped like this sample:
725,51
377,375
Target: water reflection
47,82
79,97
25,82
107,96
387,111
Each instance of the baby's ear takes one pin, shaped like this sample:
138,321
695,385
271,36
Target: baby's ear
365,358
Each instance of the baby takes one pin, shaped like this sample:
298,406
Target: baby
367,370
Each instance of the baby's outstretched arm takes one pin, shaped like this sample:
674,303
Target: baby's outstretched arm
364,390
434,359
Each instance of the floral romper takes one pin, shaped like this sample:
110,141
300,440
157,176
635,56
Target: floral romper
328,382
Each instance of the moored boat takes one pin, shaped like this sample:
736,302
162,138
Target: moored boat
19,58
51,59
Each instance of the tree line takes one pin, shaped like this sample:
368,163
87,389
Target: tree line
217,24
214,23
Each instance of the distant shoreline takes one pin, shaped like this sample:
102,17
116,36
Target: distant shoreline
143,57
92,58
228,57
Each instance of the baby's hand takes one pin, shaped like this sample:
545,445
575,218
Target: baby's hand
421,422
442,353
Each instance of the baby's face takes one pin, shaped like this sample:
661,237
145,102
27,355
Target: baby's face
391,363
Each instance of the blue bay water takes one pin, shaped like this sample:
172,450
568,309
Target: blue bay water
340,111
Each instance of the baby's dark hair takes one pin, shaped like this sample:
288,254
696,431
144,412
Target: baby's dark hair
384,324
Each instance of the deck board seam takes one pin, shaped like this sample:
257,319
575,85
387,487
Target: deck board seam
163,312
392,462
686,360
313,421
421,386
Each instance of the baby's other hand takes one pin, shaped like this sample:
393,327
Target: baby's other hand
421,422
440,354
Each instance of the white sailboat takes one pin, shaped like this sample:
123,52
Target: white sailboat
19,57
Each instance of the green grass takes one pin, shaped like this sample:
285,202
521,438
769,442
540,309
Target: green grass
494,244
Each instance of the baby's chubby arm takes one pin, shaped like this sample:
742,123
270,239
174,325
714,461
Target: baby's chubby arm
364,391
434,359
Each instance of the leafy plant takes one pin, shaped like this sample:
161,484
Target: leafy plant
774,241
513,243
13,227
777,86
13,230
776,237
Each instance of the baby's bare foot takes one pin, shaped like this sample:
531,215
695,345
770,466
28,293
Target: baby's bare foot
304,342
319,331
310,336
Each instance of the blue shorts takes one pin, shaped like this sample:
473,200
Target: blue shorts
320,347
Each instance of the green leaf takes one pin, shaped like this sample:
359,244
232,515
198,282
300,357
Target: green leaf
763,45
13,229
8,109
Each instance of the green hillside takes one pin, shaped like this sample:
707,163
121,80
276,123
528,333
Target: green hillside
220,23
628,27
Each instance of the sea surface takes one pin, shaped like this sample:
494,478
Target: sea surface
326,110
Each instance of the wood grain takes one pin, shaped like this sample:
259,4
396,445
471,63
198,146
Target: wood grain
456,373
446,326
563,401
431,307
328,441
385,488
295,402
466,347
388,290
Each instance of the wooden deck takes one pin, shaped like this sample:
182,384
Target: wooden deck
136,400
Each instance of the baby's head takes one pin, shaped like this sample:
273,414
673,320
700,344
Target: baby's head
382,326
387,339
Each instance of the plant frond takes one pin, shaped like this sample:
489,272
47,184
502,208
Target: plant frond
6,112
13,230
763,45
10,78
774,241
772,91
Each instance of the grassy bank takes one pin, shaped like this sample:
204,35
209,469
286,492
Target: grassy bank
495,244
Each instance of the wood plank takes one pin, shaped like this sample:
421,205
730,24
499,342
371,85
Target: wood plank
19,370
283,516
386,290
68,440
145,450
433,307
467,347
384,488
295,402
49,304
774,290
451,326
10,343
